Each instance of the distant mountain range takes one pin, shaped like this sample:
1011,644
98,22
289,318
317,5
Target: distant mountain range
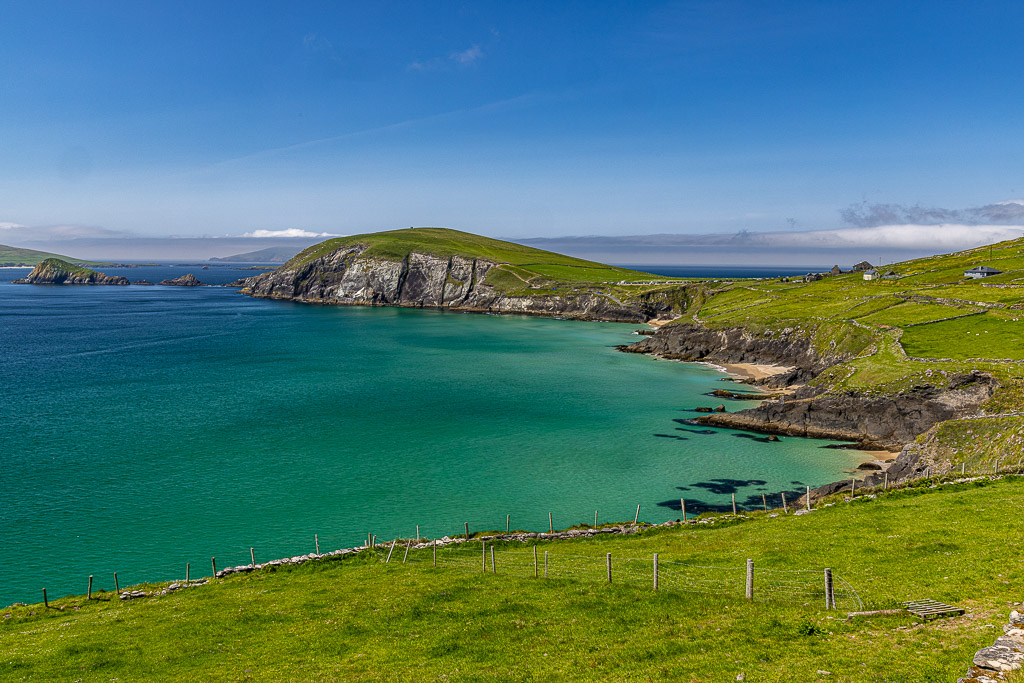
268,255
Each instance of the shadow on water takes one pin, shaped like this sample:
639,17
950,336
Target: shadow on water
722,487
759,439
673,436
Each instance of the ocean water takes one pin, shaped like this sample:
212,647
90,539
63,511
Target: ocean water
145,427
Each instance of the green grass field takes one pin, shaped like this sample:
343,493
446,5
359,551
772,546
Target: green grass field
359,619
16,256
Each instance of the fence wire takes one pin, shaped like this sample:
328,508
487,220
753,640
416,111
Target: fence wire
775,585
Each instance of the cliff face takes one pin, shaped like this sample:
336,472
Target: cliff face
57,272
692,342
346,276
875,421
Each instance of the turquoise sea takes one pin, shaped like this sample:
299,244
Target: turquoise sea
147,427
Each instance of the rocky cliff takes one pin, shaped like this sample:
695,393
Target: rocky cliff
53,271
347,276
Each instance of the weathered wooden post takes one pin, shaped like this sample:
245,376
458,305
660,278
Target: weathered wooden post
494,569
117,587
637,516
407,546
46,603
252,556
682,507
435,553
88,595
808,497
535,562
545,564
508,523
764,501
188,571
483,557
595,519
853,488
467,531
417,533
886,487
373,541
655,571
391,550
785,510
734,504
316,541
750,579
608,560
963,468
830,595
551,524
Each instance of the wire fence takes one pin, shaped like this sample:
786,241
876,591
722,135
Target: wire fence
812,587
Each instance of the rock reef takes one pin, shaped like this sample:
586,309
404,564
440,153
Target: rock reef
188,280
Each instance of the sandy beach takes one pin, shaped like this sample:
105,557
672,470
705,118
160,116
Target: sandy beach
754,371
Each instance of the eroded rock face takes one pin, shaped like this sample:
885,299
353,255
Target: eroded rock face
56,272
346,276
183,281
876,421
693,342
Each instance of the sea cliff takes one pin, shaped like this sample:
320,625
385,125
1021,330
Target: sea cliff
349,276
53,271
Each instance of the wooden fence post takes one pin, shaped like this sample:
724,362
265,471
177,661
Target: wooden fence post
608,560
188,571
886,488
316,540
535,574
252,556
551,524
117,588
46,603
734,504
750,579
637,517
764,501
808,497
853,488
213,562
508,523
467,531
494,569
682,508
830,595
417,533
655,571
391,550
89,594
483,557
963,468
785,510
435,552
407,546
545,564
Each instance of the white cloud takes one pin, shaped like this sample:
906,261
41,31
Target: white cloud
1019,202
288,232
467,57
10,226
938,237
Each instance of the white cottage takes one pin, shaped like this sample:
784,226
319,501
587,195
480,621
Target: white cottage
981,271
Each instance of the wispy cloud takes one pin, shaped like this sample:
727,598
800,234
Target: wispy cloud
870,215
467,57
457,58
288,232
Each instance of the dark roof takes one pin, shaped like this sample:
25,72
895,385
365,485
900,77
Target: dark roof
984,269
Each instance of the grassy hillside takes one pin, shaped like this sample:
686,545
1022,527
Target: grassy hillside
523,268
360,619
16,256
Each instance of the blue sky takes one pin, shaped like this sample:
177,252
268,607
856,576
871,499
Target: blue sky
514,119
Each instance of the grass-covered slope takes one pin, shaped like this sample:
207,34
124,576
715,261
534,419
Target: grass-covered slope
359,619
16,256
520,265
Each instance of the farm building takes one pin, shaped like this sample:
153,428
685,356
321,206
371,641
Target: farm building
871,274
981,271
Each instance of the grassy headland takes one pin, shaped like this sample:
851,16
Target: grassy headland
18,257
359,619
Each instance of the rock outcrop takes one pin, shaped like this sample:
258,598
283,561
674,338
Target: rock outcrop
54,271
188,280
692,342
347,276
993,663
884,422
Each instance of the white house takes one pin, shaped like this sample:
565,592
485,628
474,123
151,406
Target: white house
870,274
981,271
